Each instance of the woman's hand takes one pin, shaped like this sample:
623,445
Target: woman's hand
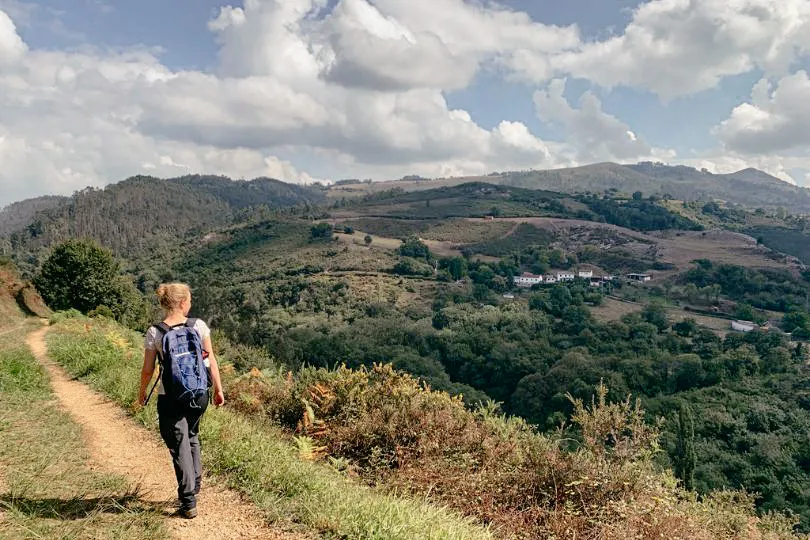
141,398
219,398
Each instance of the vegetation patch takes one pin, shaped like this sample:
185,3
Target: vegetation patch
523,236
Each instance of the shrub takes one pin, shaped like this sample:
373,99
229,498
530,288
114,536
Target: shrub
387,427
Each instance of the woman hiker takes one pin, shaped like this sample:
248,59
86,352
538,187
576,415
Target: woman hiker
183,347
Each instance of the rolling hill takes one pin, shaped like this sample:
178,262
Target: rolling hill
133,216
748,187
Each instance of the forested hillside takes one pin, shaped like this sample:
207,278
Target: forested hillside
19,215
142,213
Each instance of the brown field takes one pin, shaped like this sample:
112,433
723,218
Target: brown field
360,190
440,248
613,310
679,248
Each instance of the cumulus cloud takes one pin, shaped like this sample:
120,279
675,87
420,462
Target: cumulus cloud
775,120
363,85
11,44
679,47
370,50
597,135
74,118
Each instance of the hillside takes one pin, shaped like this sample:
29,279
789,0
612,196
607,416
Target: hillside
749,187
423,281
17,297
135,215
19,215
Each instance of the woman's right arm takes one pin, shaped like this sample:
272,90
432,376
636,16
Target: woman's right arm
147,371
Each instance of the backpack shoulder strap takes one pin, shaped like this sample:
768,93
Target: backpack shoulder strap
190,322
163,327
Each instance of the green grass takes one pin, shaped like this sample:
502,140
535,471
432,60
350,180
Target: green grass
47,489
256,458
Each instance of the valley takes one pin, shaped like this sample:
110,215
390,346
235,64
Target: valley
420,276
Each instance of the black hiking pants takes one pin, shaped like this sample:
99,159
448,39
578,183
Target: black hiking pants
179,428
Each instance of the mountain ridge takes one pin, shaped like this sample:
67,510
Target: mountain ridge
748,187
131,215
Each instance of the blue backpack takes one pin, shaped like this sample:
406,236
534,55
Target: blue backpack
184,374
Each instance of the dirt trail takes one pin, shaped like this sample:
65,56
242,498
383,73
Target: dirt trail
117,445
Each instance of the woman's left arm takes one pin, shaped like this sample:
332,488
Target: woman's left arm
219,395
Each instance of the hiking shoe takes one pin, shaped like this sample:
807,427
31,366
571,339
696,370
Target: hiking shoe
187,513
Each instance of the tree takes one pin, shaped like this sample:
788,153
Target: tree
457,266
685,328
797,323
321,231
685,458
413,247
368,239
656,315
80,274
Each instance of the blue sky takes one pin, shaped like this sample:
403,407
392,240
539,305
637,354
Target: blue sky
305,90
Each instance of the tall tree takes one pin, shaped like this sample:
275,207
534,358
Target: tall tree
685,459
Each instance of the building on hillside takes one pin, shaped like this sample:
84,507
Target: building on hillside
509,296
565,276
550,280
585,274
639,277
596,282
744,326
608,278
527,280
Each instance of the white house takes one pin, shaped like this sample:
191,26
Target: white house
585,274
550,280
565,276
639,277
527,280
743,326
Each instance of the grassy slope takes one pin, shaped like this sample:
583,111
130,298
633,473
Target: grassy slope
48,489
255,457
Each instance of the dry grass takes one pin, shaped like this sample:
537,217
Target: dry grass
385,427
679,248
613,310
440,248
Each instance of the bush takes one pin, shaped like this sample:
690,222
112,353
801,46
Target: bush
413,247
386,427
412,267
321,231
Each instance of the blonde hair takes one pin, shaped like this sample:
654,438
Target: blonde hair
171,295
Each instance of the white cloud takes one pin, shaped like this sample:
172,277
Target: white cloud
11,44
679,47
362,86
87,117
597,135
369,50
775,120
